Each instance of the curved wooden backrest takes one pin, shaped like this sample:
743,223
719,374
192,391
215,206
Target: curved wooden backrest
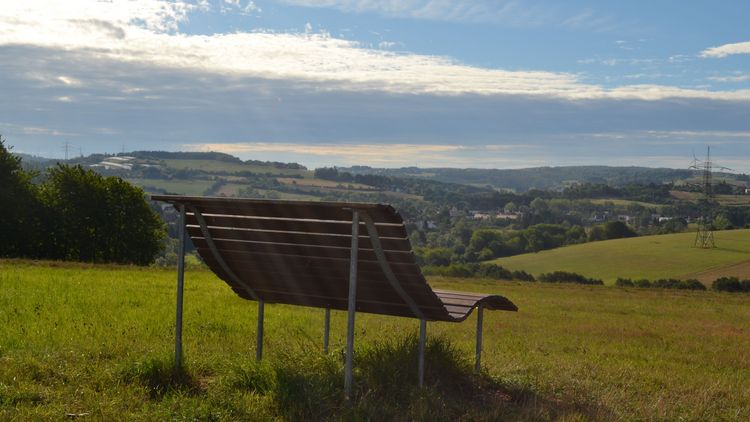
298,253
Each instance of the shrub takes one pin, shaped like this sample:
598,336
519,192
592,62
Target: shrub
494,271
453,270
745,285
727,284
692,284
624,282
522,275
568,277
643,283
667,283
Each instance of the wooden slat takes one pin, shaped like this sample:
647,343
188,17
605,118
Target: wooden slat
407,273
367,286
304,226
313,253
309,275
313,239
306,250
341,304
330,211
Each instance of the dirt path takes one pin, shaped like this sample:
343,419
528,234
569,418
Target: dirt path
741,270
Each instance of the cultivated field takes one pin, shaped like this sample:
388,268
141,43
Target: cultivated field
652,257
216,165
183,187
96,340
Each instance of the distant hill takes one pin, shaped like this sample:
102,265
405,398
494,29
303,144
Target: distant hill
652,257
538,177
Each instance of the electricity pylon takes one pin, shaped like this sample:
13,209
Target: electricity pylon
704,238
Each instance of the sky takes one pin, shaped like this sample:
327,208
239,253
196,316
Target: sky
429,83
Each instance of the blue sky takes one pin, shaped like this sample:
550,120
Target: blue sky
482,83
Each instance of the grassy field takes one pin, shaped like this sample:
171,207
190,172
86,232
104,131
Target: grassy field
214,165
651,257
184,187
322,183
624,203
96,340
727,200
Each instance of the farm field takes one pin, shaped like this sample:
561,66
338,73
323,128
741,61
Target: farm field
652,257
183,187
215,165
322,183
624,202
727,200
96,341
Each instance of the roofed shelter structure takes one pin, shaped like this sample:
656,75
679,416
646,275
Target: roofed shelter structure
354,257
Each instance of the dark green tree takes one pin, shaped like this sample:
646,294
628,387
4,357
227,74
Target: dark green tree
98,219
618,230
19,219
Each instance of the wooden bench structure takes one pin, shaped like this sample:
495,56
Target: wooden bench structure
347,256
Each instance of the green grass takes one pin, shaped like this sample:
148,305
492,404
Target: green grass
97,340
184,187
651,257
624,203
215,165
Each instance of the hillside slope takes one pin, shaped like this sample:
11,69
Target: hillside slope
649,257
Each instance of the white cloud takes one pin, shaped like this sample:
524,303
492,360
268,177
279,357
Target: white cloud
726,50
144,31
734,78
507,12
114,74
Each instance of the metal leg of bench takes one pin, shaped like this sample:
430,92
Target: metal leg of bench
326,330
351,305
259,339
422,338
480,317
180,289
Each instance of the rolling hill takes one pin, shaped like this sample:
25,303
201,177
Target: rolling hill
652,257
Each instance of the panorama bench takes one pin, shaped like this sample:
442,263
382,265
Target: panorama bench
332,255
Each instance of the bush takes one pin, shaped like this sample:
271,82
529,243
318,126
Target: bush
522,275
624,282
692,284
568,277
493,271
666,283
643,283
728,284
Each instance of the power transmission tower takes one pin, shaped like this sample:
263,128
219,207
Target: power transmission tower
704,238
66,147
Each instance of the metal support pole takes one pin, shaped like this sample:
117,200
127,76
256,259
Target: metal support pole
259,339
326,330
480,318
351,305
422,338
180,288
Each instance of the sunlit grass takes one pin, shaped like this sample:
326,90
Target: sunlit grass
652,257
98,340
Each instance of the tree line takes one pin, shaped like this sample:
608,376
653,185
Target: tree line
74,214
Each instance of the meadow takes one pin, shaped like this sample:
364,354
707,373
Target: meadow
652,257
97,341
184,187
232,167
